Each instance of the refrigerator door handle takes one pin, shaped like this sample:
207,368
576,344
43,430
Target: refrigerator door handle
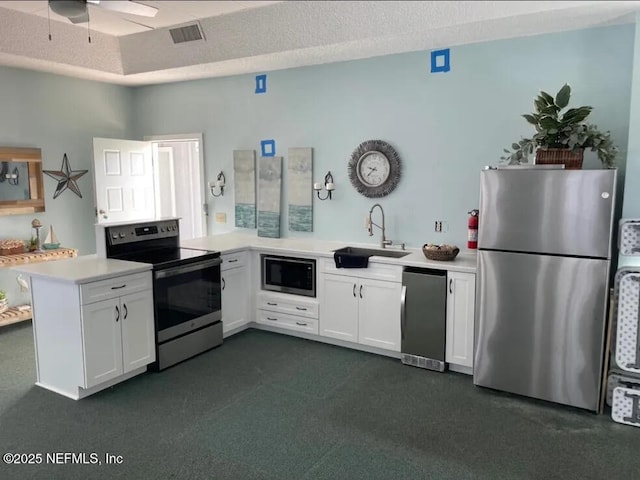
403,310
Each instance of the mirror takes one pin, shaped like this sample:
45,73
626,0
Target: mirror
21,181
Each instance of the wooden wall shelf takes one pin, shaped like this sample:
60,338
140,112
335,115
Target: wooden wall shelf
12,314
35,257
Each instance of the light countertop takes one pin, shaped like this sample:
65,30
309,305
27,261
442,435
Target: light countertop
83,269
231,242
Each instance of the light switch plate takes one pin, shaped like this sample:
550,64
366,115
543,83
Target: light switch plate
221,217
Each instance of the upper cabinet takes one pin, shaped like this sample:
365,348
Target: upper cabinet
21,181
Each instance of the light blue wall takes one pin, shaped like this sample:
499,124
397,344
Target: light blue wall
445,126
58,115
632,184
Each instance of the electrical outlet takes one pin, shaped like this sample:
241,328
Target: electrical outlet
221,217
438,226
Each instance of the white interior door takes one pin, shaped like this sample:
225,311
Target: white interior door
124,180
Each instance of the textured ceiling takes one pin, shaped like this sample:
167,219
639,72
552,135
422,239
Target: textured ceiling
245,37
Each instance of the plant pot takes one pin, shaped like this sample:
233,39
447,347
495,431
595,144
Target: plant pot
560,156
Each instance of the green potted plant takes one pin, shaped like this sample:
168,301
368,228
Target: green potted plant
3,301
562,134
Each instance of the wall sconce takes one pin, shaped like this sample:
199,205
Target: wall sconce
328,185
218,185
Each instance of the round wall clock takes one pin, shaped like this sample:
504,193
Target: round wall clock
374,168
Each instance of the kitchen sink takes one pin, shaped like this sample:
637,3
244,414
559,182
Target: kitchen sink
366,252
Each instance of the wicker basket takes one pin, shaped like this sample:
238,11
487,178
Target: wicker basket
560,156
11,251
440,252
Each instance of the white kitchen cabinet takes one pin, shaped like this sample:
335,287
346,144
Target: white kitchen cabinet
285,311
361,310
235,281
101,342
461,294
379,314
339,309
94,334
117,336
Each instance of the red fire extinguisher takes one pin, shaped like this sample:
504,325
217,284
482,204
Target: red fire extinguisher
472,238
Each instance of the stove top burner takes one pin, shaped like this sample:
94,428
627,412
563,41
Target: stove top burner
166,257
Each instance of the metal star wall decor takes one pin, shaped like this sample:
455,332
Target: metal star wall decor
66,178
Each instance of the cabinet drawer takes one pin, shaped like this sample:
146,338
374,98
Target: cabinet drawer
115,287
375,271
233,260
292,322
290,304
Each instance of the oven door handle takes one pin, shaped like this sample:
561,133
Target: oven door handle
192,267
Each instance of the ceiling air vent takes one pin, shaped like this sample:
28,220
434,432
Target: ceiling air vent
187,33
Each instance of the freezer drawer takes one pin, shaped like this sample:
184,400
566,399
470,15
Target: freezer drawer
562,212
540,326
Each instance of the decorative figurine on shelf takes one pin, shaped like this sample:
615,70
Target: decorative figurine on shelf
37,226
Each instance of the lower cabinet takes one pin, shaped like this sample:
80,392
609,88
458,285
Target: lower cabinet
117,336
291,312
461,294
361,310
234,298
92,335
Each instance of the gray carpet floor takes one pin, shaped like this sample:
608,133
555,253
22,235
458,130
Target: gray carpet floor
269,406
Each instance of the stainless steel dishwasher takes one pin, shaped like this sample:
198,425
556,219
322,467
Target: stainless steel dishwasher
423,318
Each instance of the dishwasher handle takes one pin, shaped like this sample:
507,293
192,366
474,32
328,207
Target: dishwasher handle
403,310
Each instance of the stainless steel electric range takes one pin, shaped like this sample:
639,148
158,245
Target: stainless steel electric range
186,287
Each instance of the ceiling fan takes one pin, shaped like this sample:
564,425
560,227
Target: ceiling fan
77,10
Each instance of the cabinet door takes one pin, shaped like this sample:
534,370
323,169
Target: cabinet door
379,314
461,294
234,298
138,342
101,341
339,307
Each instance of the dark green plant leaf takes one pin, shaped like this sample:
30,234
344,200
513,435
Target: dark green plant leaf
563,96
548,98
531,119
576,115
551,110
515,146
549,123
540,104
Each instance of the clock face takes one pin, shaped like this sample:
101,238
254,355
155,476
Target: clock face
373,169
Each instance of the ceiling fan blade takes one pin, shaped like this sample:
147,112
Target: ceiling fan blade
74,10
130,7
80,19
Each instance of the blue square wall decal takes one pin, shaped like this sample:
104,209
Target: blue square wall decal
268,148
440,61
261,84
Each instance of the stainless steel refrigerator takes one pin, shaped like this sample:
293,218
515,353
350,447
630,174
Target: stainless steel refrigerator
544,249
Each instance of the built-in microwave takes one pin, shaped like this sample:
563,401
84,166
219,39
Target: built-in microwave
289,275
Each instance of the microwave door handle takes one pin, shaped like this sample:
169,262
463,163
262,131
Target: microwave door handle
192,267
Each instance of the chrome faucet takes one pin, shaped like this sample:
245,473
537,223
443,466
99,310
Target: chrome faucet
384,242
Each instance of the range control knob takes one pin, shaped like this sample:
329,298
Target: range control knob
114,236
162,229
121,234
